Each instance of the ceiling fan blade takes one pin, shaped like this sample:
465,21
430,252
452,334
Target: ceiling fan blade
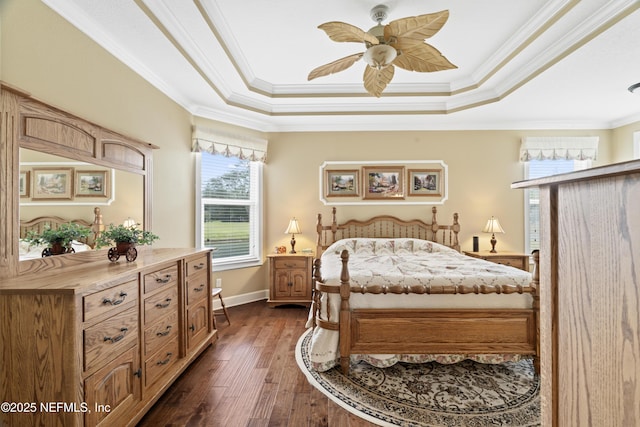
342,32
335,66
376,80
416,27
421,57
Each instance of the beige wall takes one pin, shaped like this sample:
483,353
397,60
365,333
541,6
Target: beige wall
622,137
43,54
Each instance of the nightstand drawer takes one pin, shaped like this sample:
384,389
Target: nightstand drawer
517,263
290,263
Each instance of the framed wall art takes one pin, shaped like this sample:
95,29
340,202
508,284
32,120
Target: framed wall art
383,182
92,183
342,183
52,183
24,183
425,182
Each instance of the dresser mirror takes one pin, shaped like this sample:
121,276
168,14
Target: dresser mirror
55,186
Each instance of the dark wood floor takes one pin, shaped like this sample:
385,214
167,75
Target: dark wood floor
250,378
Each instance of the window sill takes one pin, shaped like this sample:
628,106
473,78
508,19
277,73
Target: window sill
223,266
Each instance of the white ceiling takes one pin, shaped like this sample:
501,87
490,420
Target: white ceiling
534,64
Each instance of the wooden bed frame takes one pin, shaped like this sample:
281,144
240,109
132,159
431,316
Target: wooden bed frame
421,331
41,223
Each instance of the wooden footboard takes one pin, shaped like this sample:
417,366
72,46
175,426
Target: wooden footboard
431,331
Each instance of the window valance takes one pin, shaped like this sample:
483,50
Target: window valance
551,148
215,142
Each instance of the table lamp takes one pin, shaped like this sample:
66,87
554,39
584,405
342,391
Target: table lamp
493,227
293,229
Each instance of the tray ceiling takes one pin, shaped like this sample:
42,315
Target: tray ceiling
548,64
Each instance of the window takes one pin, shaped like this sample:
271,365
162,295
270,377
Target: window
229,194
538,169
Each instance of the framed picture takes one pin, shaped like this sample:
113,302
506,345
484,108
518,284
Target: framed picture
24,183
92,183
341,183
381,182
52,183
425,182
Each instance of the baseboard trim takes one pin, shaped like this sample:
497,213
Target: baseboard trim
241,299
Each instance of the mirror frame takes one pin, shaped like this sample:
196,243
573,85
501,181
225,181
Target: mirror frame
35,125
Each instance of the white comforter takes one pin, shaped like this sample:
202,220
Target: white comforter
408,262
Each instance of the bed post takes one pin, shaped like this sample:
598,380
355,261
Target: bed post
315,298
319,240
345,315
535,284
434,224
456,229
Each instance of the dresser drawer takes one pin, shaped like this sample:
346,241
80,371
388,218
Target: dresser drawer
160,304
110,337
158,279
286,262
197,287
160,362
109,300
160,333
196,265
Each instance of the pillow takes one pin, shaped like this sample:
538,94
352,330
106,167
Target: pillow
384,247
340,245
427,247
404,246
365,247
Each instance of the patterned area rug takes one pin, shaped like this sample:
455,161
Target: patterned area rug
430,394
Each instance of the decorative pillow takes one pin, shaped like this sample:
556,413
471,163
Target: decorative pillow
365,247
340,245
384,247
422,247
404,247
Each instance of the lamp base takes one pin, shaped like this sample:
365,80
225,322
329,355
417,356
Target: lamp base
293,245
493,244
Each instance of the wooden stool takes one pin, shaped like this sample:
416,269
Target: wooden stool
218,292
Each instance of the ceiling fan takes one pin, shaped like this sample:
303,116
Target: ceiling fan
399,43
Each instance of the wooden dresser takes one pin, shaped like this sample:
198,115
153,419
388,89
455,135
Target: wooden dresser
590,296
98,343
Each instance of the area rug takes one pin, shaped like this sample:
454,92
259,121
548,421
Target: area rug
466,394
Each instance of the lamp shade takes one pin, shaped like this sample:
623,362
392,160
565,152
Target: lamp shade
493,226
294,227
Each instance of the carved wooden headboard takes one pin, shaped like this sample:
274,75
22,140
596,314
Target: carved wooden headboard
387,226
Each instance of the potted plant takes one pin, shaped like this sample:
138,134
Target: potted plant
58,240
125,238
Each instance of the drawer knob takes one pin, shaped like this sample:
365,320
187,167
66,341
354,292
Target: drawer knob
199,288
165,361
199,266
166,279
122,296
165,333
192,327
138,373
165,305
117,337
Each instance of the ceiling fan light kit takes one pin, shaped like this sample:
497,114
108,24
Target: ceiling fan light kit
400,43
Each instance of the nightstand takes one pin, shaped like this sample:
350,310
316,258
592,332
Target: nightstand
512,259
290,279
